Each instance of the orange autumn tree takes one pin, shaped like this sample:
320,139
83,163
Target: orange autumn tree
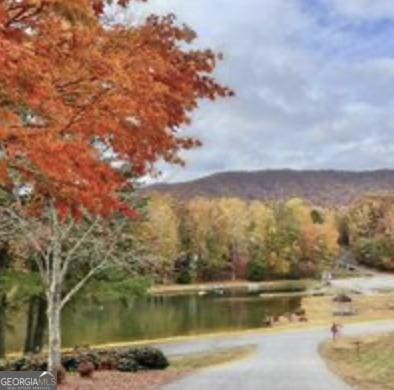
71,87
87,105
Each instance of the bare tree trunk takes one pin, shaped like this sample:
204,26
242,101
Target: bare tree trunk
31,324
3,319
4,265
234,261
36,325
54,298
54,331
41,325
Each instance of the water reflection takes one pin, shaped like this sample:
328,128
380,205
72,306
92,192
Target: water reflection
162,316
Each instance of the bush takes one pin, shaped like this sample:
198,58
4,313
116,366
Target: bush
342,298
86,369
127,364
151,358
28,363
71,361
126,359
377,253
184,277
142,359
256,271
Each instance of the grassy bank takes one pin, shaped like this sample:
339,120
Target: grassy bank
204,360
321,310
280,286
367,363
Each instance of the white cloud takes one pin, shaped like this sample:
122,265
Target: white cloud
314,84
363,9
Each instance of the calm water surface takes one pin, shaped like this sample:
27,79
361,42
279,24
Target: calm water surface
162,316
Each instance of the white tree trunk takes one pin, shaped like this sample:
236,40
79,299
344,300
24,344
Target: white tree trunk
54,296
54,331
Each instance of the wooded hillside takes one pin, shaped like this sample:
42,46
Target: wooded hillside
325,188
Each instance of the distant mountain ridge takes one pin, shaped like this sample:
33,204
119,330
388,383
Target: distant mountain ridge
321,187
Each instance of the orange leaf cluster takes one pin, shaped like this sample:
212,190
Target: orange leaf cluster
78,99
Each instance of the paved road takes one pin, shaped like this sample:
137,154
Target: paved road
372,280
366,285
286,361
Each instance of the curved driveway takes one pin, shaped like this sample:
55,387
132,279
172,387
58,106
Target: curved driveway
365,285
283,361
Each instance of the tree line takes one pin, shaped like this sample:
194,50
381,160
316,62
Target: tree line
370,227
229,238
215,239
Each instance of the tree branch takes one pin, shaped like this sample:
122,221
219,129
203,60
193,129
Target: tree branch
71,252
82,282
42,260
95,269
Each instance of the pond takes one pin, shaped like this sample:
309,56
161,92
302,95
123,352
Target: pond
160,316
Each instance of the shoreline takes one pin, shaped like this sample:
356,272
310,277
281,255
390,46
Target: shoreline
279,286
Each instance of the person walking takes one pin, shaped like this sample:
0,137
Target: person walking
335,331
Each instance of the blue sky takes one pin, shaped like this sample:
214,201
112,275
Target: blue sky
314,82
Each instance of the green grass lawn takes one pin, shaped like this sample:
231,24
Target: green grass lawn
370,368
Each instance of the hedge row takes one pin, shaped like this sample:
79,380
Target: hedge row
124,359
